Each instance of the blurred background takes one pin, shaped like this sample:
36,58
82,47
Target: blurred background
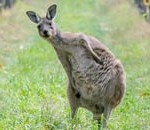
33,82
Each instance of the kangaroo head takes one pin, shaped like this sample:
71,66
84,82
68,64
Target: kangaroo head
45,25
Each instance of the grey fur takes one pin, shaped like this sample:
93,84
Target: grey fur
96,79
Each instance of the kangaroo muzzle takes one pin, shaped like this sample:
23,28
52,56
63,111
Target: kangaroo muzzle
46,33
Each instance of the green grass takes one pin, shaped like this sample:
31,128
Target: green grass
33,82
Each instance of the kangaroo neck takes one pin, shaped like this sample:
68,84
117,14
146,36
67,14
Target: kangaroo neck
57,39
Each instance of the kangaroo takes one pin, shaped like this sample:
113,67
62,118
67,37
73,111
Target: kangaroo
96,79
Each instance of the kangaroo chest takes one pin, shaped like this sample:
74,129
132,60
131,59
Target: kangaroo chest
88,78
87,74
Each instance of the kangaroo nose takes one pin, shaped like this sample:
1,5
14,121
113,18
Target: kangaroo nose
45,32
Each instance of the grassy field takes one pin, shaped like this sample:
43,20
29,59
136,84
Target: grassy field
33,82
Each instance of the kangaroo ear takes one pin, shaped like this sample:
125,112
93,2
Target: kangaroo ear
33,16
51,12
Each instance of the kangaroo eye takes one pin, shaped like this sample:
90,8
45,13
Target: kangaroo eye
50,24
39,26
